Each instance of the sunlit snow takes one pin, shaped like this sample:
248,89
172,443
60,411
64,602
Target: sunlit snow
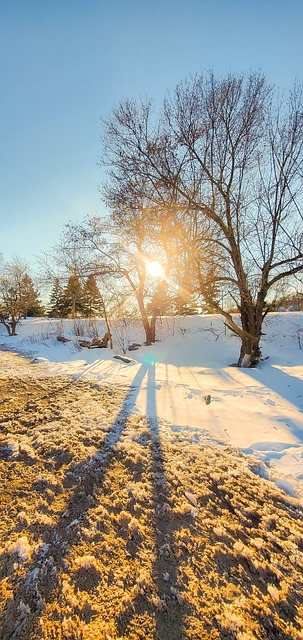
257,410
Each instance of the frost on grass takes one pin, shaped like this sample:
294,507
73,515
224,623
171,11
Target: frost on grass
86,562
20,547
110,530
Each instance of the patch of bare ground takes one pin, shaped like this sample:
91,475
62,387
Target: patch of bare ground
114,526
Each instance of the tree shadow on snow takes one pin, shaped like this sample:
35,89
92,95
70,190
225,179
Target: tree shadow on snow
23,612
284,384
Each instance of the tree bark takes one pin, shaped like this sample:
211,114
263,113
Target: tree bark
7,326
10,326
149,338
250,353
153,328
107,323
13,327
251,321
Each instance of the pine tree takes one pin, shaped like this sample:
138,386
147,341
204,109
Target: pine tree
72,297
92,301
56,302
29,297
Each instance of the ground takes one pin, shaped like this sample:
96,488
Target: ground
116,526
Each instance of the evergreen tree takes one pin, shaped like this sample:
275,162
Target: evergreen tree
56,302
72,297
29,297
92,301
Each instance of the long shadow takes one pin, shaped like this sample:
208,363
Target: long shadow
43,575
285,385
172,621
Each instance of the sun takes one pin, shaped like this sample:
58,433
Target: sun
155,269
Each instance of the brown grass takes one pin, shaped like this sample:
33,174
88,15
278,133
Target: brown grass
115,527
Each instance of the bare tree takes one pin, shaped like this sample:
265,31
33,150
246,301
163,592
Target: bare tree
230,151
18,297
119,249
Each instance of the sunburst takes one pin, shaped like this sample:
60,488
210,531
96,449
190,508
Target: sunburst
155,269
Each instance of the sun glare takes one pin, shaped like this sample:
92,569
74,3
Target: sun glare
155,269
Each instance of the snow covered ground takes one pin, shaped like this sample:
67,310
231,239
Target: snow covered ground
131,508
259,411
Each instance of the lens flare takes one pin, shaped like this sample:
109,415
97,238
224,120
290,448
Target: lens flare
155,269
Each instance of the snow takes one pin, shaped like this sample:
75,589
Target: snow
21,547
186,379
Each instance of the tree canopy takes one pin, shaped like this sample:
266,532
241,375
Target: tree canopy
222,163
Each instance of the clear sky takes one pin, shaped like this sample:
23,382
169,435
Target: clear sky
66,63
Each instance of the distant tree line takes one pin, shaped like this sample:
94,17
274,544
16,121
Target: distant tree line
75,300
19,298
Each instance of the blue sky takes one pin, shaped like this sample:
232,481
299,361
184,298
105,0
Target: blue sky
66,63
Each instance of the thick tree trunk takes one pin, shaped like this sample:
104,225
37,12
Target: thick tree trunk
251,320
250,353
10,325
7,326
13,327
148,332
145,321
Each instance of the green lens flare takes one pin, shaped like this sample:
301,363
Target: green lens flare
149,358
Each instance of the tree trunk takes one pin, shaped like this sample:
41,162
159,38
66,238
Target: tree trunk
153,328
8,327
148,332
250,353
73,308
157,306
145,321
251,321
13,327
107,324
